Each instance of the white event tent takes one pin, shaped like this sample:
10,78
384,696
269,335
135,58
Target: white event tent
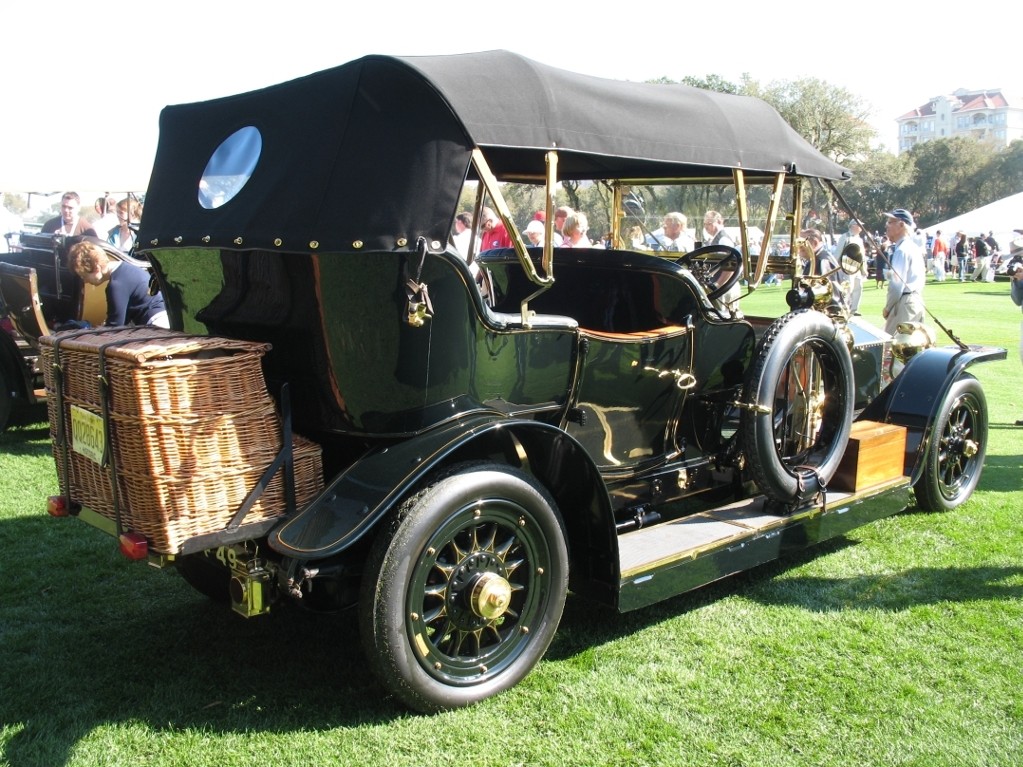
1002,217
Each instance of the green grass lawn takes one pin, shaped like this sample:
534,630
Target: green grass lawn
899,644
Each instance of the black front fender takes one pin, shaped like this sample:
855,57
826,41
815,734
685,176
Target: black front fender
914,397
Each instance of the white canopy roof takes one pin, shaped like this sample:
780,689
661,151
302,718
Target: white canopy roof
1001,217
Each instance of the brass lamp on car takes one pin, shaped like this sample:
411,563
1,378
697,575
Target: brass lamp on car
910,339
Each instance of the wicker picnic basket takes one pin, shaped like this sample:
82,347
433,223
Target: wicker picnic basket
191,425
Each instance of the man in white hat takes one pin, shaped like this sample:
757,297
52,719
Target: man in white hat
535,233
905,301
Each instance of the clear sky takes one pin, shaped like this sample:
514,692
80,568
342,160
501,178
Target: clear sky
82,91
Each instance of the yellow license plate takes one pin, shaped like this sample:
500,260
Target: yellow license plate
88,436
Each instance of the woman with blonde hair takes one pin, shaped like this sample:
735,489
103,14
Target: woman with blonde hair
129,213
127,286
575,231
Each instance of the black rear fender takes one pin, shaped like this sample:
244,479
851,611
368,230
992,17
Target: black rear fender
353,503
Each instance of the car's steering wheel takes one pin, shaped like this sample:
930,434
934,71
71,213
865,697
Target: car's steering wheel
710,265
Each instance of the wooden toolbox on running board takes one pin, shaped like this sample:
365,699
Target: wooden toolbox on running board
876,453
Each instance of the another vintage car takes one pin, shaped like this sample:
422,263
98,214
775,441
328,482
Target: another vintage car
38,292
499,430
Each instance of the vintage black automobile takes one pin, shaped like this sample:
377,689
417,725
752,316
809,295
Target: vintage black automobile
500,430
38,292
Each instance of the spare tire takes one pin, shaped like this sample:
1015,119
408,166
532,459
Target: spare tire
799,396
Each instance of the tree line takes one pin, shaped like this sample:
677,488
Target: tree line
936,179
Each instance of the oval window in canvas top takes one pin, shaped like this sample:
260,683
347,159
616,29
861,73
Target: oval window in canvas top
230,167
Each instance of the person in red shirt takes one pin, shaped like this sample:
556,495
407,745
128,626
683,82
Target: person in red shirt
493,233
939,254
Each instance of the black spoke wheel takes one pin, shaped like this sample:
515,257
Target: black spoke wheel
716,267
955,455
798,410
464,588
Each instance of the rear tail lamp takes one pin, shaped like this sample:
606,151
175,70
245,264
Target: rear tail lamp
56,506
134,545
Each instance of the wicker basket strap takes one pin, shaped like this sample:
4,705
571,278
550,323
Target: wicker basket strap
173,344
164,350
285,458
70,339
58,370
109,454
185,344
62,440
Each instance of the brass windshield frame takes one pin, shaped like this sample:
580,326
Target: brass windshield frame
740,180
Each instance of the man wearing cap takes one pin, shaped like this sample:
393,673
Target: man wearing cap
535,233
493,232
905,301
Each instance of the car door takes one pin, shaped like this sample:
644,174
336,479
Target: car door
630,391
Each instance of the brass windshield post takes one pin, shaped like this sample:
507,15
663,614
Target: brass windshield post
547,259
796,225
545,280
772,215
551,160
617,206
740,201
481,192
743,210
489,180
744,234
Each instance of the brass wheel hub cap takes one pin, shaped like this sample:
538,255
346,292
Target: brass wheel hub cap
490,596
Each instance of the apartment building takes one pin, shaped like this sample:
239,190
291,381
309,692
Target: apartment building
980,115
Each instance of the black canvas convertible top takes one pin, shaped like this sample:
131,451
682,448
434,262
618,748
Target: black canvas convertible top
373,154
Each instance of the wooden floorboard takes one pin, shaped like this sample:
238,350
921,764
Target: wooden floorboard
687,537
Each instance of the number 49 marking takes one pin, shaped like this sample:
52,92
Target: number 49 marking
227,556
